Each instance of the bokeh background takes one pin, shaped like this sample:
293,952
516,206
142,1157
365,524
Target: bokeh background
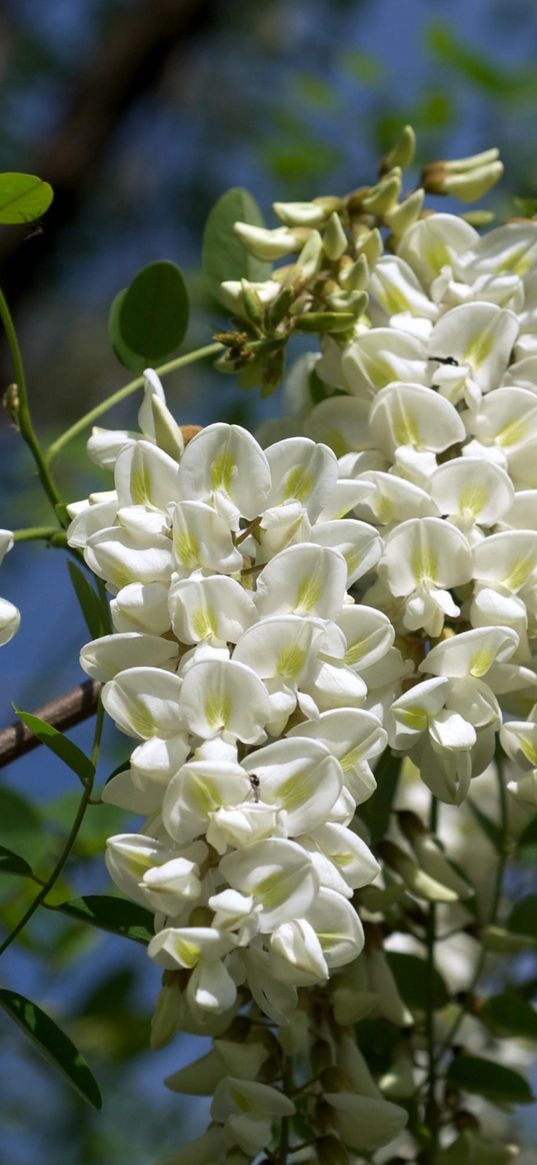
141,113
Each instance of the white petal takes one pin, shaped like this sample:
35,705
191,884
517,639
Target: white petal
224,696
226,459
103,658
144,702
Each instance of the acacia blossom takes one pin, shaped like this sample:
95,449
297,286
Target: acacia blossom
284,615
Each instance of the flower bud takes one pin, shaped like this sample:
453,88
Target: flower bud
384,195
324,321
353,301
300,214
10,619
334,238
266,244
355,276
199,1078
465,178
251,303
279,307
309,260
403,152
401,217
369,244
420,883
169,1012
497,938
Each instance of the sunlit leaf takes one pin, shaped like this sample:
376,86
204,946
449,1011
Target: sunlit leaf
152,315
493,1081
12,863
23,198
53,1044
116,915
412,976
94,610
68,752
223,255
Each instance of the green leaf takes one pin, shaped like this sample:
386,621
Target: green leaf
22,827
94,610
509,1015
523,917
152,315
23,198
11,863
53,1044
490,829
376,811
223,255
127,358
68,752
529,834
493,1081
116,915
412,977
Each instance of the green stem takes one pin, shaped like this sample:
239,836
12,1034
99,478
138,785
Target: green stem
285,1123
71,839
496,894
122,393
432,1114
23,408
53,877
52,534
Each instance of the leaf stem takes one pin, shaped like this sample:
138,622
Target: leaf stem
71,839
432,1115
53,534
122,394
285,1123
23,408
496,893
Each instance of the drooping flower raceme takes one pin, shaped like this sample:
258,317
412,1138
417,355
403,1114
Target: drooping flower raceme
282,616
238,668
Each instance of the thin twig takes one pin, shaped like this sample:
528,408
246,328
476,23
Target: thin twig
63,712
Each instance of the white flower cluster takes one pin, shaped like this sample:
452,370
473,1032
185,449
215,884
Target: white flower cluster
438,424
246,673
9,614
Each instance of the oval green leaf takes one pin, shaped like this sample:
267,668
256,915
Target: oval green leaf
128,359
523,917
412,977
69,753
23,198
11,863
116,915
53,1044
153,313
493,1081
510,1015
223,255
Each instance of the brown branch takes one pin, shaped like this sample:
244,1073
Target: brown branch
63,712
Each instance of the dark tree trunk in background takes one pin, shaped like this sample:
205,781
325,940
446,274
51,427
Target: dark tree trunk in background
129,61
